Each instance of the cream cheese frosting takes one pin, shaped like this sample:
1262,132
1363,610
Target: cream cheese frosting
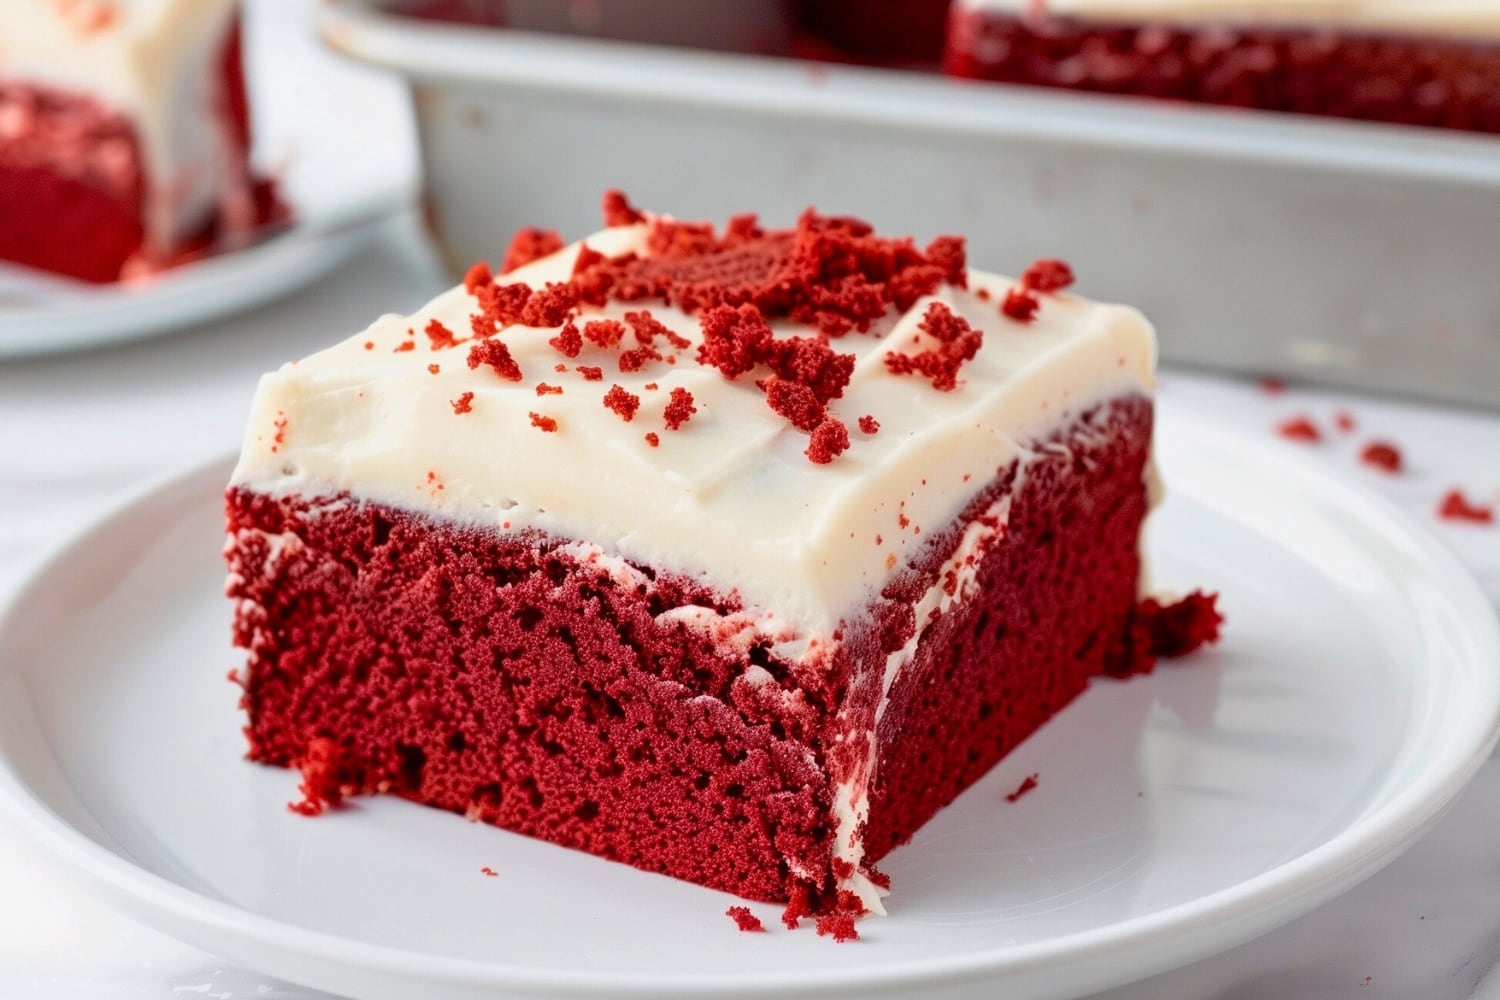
154,62
729,498
1445,17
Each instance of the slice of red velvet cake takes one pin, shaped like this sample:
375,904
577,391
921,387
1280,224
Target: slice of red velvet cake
1417,62
124,134
733,555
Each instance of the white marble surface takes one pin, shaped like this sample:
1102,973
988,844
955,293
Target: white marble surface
76,432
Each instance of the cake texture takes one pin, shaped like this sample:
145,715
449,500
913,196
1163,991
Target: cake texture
1416,62
124,135
730,554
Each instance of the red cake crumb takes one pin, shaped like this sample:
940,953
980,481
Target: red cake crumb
650,387
797,907
869,425
591,373
679,409
434,368
279,438
839,926
494,353
439,336
542,423
622,402
653,439
550,306
744,919
1020,305
734,339
637,358
320,787
587,258
1344,421
543,389
1177,629
618,211
1022,788
404,346
829,440
795,402
1272,386
1456,507
527,245
647,328
500,306
604,332
369,345
569,341
1047,276
1299,429
1382,455
490,872
478,275
958,342
464,403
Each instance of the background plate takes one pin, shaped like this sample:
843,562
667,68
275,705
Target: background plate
1177,814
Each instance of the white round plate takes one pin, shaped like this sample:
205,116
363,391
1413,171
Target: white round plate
344,160
1176,815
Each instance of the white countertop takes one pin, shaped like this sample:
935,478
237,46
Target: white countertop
78,431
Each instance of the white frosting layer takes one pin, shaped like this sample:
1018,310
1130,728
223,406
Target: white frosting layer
730,498
1448,17
156,63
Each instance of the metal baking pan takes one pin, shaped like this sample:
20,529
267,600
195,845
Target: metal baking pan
1344,252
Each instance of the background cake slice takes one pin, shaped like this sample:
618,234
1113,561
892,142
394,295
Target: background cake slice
124,134
1417,62
730,555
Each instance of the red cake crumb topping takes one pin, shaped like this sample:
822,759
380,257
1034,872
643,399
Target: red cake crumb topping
434,368
569,341
958,342
320,787
651,387
734,340
279,438
795,402
591,373
798,907
839,926
1020,305
439,336
527,245
542,423
489,872
618,211
550,306
478,275
1382,455
647,328
1022,788
1047,275
744,919
1179,628
543,389
464,403
1456,507
679,409
494,353
1299,429
404,346
604,332
829,440
869,425
369,345
653,439
622,402
1344,421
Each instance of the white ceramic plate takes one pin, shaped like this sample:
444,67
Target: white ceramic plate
1176,814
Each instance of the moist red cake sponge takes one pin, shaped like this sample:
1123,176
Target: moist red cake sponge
731,554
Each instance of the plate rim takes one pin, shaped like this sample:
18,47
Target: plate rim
1233,913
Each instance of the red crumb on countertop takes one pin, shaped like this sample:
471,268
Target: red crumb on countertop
490,872
542,423
744,919
868,424
464,403
1299,429
679,409
1456,507
622,402
839,926
1179,628
527,245
1023,788
1382,455
494,353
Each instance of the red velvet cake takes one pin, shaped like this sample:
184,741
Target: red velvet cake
1416,62
123,134
730,554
